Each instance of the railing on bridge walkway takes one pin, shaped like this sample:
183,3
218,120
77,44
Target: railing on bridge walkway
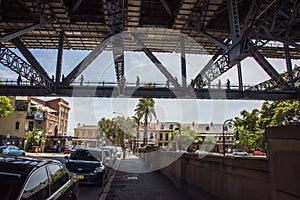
160,84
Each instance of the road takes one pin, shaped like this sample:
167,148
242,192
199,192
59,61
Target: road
90,192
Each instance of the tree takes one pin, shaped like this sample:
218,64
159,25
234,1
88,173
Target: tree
36,137
117,129
145,108
252,125
5,106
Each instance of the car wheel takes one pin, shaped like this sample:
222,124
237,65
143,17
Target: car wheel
23,154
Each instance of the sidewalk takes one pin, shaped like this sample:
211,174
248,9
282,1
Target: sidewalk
127,183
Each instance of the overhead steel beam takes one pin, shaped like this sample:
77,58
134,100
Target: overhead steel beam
240,76
133,92
183,62
213,39
267,67
76,6
251,14
271,85
24,31
115,22
164,3
59,57
20,66
289,67
155,61
85,62
207,74
30,58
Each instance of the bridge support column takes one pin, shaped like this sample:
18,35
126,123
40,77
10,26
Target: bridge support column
289,66
59,58
240,76
183,62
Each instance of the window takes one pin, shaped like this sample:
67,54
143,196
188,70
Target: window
50,127
90,133
59,176
30,126
82,133
171,126
17,125
37,187
160,136
167,136
151,135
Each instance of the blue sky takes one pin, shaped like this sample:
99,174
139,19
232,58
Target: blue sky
90,110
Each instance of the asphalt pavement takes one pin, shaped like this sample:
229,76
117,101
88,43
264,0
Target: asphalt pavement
125,184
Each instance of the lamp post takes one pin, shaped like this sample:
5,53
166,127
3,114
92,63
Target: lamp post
179,131
124,142
223,130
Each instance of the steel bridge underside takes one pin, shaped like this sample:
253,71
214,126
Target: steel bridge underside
133,92
228,30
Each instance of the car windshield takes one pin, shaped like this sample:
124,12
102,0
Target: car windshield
8,183
87,155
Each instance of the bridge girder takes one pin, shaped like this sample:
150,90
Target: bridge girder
257,32
61,22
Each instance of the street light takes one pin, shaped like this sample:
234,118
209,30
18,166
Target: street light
228,120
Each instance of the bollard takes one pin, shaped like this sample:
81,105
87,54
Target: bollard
124,154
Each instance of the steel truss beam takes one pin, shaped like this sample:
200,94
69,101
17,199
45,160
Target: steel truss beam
59,58
115,22
265,27
268,68
25,30
85,62
30,58
133,92
271,85
155,61
20,66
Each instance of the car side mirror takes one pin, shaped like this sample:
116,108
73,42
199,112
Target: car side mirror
66,157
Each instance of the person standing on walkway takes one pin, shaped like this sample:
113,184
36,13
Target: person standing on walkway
81,80
228,84
54,148
19,80
137,81
167,83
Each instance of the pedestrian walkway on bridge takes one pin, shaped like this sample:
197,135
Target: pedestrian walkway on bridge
127,185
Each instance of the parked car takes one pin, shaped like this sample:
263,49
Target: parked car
11,149
67,150
74,148
36,178
113,151
88,164
259,153
239,152
201,153
119,152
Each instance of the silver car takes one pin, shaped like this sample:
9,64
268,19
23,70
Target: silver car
239,152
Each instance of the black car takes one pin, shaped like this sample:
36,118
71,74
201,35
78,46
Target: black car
88,164
34,179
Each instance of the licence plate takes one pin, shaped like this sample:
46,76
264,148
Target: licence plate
80,176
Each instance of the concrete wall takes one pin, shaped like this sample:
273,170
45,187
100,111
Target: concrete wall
284,162
216,177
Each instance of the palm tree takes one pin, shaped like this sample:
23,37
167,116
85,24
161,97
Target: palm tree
145,108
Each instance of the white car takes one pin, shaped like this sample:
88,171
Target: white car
119,152
201,153
239,152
